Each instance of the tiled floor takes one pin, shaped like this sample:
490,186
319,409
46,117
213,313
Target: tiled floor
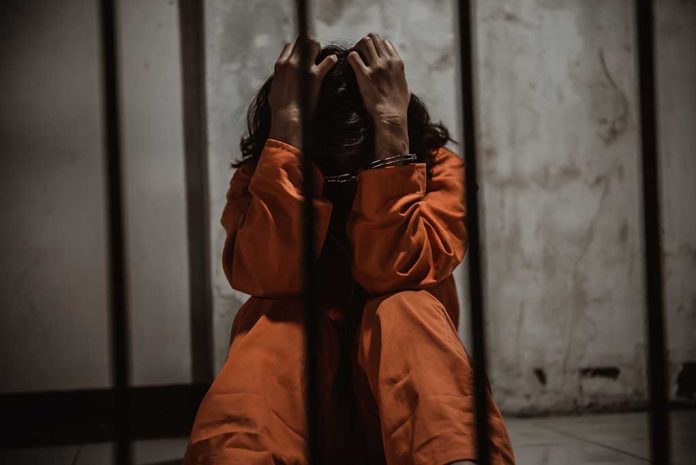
568,440
598,439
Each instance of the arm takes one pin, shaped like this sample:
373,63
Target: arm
262,254
403,236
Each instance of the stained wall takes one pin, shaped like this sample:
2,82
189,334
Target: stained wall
560,176
559,145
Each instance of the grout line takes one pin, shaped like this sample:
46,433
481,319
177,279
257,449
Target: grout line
595,443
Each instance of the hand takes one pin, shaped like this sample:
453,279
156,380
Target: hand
385,93
284,97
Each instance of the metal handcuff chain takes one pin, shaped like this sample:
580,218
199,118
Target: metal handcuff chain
380,163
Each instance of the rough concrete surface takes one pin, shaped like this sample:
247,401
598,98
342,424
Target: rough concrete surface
560,169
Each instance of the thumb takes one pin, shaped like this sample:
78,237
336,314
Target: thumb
325,65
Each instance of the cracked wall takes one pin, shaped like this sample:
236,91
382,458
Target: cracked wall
560,175
561,187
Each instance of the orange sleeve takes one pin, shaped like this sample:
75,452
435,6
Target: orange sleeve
262,254
405,237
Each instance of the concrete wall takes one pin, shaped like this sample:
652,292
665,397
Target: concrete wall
241,38
53,323
559,152
561,170
53,286
155,192
244,40
676,76
559,142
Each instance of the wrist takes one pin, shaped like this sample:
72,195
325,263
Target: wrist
286,130
391,138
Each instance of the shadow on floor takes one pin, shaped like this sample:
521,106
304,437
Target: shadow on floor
560,440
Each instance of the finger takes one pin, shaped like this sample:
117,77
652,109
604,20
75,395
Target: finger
356,62
379,44
313,48
296,50
325,65
391,48
373,56
364,54
285,53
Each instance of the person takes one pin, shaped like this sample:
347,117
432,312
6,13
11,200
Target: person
389,222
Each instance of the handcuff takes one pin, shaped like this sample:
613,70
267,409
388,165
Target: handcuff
394,160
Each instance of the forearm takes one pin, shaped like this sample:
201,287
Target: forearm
391,137
286,130
263,253
407,231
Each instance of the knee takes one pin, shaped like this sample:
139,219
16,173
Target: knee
404,319
407,308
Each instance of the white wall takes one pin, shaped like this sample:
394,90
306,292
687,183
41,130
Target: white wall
676,79
240,39
53,323
561,170
244,40
155,192
559,146
559,143
53,287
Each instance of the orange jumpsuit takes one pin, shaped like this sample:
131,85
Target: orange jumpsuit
405,369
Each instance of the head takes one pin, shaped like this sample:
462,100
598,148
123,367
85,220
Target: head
342,130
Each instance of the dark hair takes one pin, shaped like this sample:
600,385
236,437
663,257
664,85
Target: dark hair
342,130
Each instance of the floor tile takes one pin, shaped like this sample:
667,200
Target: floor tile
559,440
159,451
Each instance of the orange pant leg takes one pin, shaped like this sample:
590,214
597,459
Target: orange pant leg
421,379
254,413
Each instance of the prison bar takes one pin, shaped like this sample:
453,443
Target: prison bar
658,409
311,317
120,357
476,301
657,371
192,33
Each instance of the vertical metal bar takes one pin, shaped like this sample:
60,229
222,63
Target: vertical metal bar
192,33
466,54
657,372
120,357
312,344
